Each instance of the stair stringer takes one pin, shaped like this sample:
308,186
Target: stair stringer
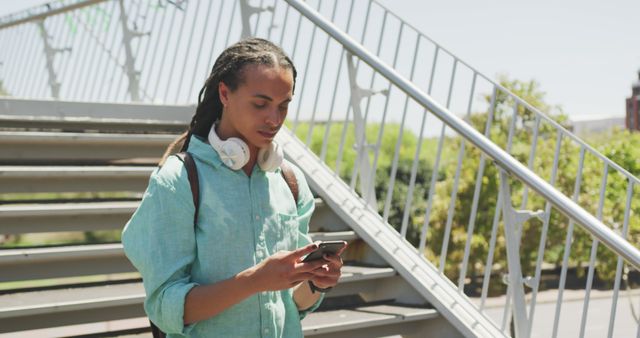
421,274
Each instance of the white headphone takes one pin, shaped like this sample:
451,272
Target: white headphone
234,153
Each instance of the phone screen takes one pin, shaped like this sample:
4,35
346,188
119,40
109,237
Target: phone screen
330,247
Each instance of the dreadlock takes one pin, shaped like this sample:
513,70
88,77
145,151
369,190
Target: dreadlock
228,69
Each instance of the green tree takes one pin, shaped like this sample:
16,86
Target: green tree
623,148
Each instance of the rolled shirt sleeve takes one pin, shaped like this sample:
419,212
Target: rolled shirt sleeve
159,240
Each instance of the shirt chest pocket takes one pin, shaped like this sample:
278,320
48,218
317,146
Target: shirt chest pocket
287,232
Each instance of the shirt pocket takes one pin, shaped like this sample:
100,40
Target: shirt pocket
288,232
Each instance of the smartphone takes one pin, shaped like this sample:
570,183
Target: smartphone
326,247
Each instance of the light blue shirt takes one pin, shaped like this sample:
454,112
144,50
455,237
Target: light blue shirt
242,220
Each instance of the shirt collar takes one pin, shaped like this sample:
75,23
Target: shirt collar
201,149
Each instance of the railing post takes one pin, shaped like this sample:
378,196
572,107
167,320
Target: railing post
130,62
513,221
367,181
246,11
50,53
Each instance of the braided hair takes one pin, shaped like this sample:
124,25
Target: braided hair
228,69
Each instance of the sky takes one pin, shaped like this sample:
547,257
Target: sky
584,53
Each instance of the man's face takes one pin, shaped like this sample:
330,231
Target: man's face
257,108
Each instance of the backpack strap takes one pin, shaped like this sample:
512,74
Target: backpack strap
290,178
192,175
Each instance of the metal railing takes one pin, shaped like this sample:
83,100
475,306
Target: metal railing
413,169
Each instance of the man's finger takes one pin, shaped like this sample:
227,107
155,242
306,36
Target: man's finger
342,249
337,260
305,250
310,266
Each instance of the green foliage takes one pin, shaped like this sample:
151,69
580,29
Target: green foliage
623,148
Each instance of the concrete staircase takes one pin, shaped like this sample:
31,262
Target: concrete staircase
62,172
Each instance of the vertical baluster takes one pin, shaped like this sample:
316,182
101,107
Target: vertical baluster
272,24
216,33
319,84
362,143
113,27
496,216
506,315
284,24
343,139
79,70
616,286
31,57
372,173
154,54
412,180
309,54
492,248
454,190
470,227
128,67
100,38
233,15
594,251
175,53
9,68
82,52
258,17
196,73
346,120
325,143
183,70
434,174
507,309
532,154
432,189
567,246
164,55
306,74
543,235
118,72
58,48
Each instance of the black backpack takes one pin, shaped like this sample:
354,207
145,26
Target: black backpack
192,175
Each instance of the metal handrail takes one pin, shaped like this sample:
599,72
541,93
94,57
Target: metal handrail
502,158
521,102
44,11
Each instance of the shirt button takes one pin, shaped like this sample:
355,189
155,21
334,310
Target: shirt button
257,217
266,331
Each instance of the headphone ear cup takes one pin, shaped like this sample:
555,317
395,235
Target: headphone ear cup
270,158
234,153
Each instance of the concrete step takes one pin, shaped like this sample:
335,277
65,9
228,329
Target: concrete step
89,216
100,259
81,116
370,317
73,305
27,147
367,317
79,124
33,179
58,217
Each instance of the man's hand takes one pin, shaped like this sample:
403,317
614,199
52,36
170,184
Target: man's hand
328,274
285,269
